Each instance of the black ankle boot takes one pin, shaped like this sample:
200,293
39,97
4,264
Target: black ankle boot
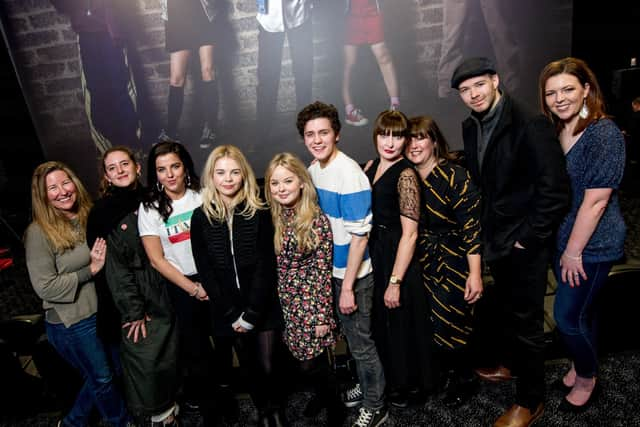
460,392
314,406
336,414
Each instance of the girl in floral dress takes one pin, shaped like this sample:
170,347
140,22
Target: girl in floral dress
304,248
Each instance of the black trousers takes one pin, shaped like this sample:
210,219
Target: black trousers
520,285
195,353
270,65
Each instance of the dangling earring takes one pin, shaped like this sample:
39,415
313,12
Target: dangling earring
109,184
160,187
584,111
188,181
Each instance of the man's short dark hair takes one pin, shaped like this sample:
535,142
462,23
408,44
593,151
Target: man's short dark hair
318,110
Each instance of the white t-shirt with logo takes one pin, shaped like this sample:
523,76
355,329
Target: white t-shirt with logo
175,234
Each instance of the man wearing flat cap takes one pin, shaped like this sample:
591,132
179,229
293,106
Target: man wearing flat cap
516,160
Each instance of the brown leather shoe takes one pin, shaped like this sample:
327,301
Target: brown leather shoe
519,416
494,375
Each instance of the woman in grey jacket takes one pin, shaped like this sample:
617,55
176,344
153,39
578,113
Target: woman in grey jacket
61,268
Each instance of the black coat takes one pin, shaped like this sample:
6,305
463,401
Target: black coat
255,262
524,183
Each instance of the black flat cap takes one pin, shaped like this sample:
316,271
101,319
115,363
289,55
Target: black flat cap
472,67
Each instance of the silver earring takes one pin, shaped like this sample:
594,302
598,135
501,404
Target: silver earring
160,187
584,111
188,180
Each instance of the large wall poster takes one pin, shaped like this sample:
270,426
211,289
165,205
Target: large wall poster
100,72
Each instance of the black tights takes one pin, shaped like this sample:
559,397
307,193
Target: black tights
319,374
256,353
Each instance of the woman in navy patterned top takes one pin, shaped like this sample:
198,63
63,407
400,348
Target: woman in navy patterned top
591,237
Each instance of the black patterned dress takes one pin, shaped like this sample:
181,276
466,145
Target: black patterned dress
449,231
304,287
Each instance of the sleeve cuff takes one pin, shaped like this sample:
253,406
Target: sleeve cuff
84,275
241,322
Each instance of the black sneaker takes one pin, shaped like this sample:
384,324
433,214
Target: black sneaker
353,396
371,417
165,137
208,137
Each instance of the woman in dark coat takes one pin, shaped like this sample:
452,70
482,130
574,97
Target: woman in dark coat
149,339
232,242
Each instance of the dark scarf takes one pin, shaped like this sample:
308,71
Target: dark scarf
107,212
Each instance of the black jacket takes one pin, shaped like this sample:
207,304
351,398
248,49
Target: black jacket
524,183
255,261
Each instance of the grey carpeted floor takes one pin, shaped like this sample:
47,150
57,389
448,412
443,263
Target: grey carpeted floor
616,406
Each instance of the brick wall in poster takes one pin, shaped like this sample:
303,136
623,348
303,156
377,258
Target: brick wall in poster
46,53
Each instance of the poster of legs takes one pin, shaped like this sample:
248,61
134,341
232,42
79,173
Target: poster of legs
210,72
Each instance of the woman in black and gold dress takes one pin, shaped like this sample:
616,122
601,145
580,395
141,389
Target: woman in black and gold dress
449,252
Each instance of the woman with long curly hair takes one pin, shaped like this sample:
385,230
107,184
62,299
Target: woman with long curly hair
61,268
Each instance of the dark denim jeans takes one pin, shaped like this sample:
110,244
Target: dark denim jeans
357,330
79,345
575,315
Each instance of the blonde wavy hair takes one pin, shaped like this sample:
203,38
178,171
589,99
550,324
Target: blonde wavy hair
306,210
61,232
212,203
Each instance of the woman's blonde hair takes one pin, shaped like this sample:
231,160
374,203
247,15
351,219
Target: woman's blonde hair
61,232
212,203
306,210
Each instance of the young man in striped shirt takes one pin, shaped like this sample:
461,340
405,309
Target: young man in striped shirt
344,195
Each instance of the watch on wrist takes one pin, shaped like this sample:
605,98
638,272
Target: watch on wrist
395,280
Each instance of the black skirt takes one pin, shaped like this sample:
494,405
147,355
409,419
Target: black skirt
402,335
187,26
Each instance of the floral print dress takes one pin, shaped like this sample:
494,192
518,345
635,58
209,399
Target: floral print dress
304,287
